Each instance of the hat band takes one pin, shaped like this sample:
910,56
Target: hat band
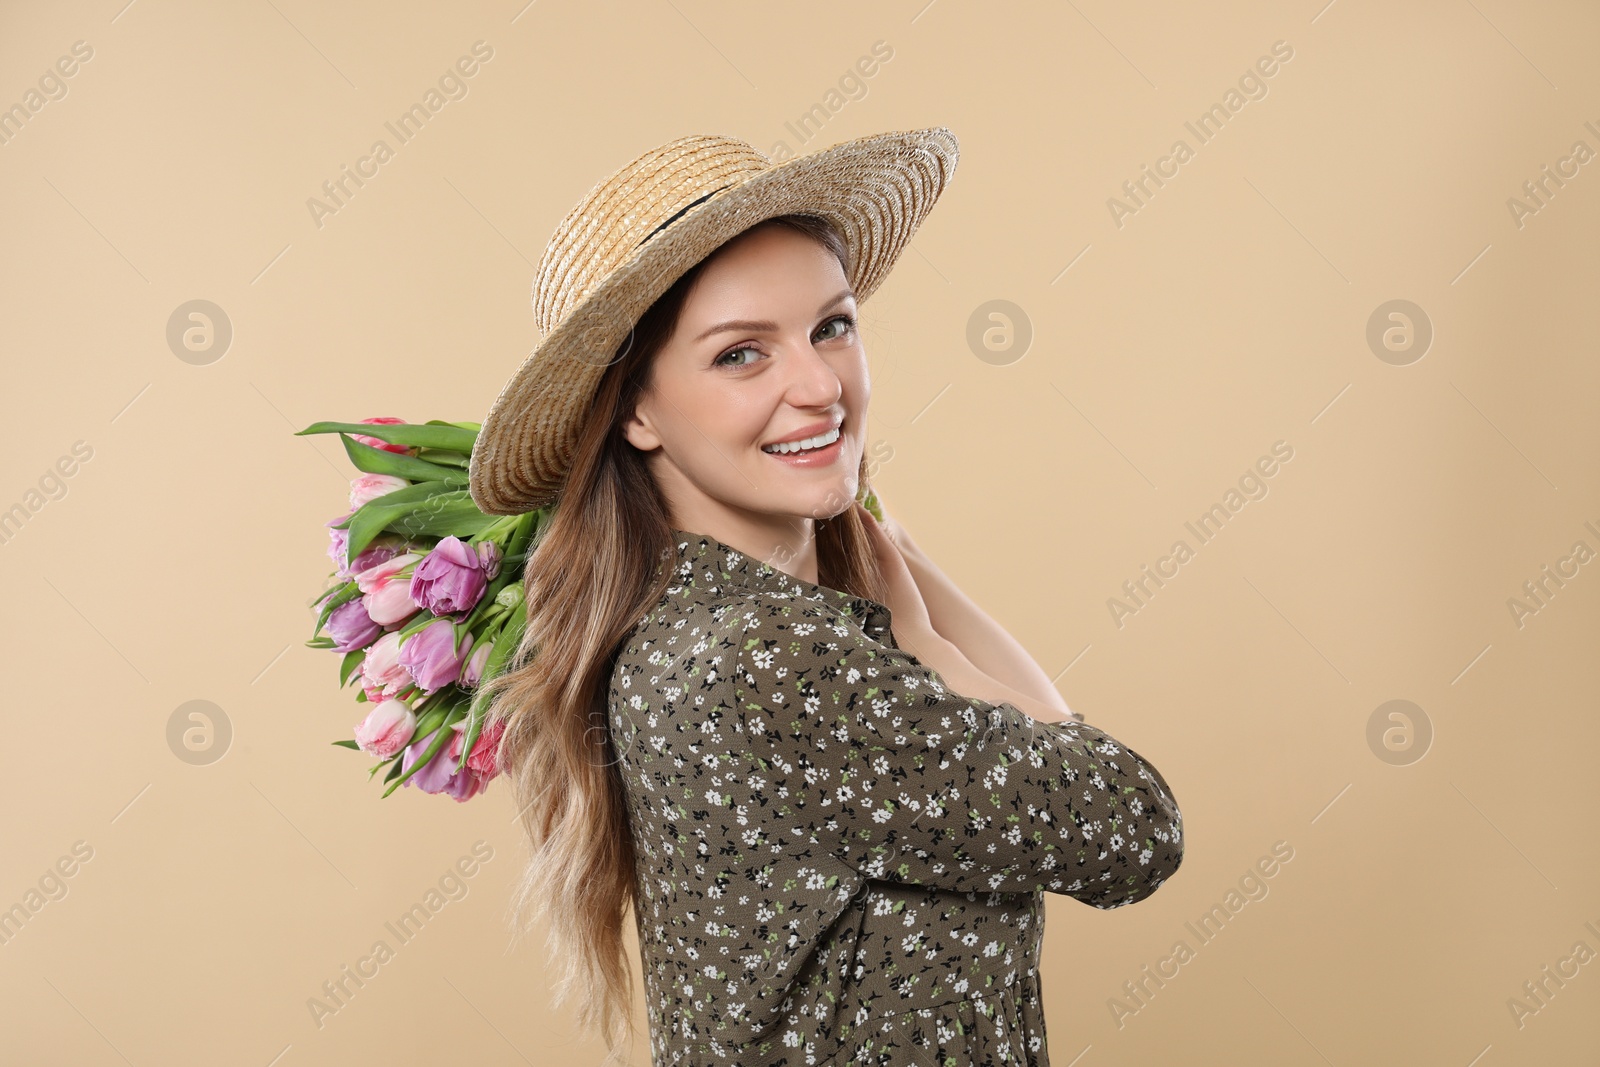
679,213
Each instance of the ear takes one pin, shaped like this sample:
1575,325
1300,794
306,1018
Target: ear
640,431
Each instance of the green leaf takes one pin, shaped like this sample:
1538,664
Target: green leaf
351,661
428,720
371,519
448,514
433,434
348,744
413,495
445,458
869,500
421,621
381,461
394,769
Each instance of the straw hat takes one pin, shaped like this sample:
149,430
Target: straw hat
638,230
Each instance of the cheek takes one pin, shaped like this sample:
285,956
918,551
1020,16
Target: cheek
725,421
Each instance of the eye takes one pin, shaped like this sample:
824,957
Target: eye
846,324
718,362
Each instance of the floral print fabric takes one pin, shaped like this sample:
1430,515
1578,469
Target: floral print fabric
841,860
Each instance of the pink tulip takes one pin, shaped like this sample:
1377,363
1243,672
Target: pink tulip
370,578
485,751
386,729
383,420
432,655
369,487
387,593
382,676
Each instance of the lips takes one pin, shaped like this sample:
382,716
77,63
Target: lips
816,429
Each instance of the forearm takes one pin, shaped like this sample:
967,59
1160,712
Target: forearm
982,641
964,677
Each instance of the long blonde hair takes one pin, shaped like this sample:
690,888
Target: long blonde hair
593,575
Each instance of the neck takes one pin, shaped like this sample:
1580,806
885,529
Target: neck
787,542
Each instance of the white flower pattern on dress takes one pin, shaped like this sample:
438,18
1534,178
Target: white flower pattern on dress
841,860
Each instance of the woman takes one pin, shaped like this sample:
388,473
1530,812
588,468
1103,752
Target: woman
832,790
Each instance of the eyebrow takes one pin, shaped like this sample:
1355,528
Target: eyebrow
764,324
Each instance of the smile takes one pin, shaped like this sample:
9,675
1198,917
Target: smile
806,445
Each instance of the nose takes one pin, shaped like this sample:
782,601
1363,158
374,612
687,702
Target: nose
811,380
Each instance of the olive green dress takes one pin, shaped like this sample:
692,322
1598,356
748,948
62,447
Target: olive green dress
840,860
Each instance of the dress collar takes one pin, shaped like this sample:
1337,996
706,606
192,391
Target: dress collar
720,569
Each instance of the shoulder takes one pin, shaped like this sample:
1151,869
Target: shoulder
765,617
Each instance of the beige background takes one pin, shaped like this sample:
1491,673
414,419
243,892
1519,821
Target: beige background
1228,313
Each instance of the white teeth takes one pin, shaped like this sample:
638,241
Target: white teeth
810,442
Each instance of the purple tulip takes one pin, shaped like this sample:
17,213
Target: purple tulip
380,549
472,673
450,580
440,775
351,627
339,545
431,656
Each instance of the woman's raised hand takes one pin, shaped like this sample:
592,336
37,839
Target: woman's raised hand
912,626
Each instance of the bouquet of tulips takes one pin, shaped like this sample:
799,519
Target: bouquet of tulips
425,602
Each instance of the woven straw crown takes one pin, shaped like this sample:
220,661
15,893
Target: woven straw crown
638,230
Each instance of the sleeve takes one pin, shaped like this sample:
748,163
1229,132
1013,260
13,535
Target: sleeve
871,757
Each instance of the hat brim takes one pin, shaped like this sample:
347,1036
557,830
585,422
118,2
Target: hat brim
876,190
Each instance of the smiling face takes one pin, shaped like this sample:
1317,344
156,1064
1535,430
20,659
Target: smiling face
765,350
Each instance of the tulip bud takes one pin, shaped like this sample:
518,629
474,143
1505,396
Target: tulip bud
386,729
383,420
472,673
369,487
